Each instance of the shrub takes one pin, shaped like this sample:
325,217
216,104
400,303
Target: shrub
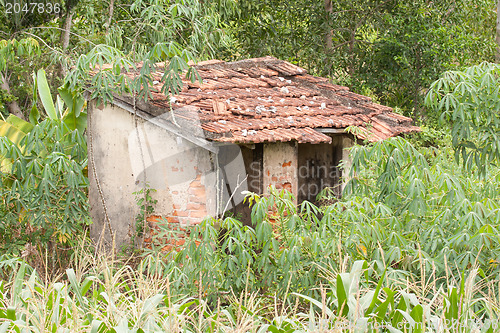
44,190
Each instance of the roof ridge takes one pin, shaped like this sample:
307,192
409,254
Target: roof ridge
252,62
268,61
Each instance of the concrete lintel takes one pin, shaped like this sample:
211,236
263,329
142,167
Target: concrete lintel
167,126
248,145
331,130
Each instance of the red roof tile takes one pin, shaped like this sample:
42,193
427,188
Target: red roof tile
268,100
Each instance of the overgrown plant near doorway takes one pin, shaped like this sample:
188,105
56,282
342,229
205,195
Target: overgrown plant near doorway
146,205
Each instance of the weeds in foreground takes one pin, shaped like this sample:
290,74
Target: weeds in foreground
102,295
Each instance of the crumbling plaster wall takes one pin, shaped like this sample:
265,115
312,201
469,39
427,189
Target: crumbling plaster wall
280,165
180,172
347,142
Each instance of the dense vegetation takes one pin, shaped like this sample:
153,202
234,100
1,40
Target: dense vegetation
412,245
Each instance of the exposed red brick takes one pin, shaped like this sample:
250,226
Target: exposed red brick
180,242
197,191
198,213
181,232
180,213
287,164
172,219
200,199
193,206
153,218
167,248
196,184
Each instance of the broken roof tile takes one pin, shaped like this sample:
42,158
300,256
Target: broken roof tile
258,72
286,68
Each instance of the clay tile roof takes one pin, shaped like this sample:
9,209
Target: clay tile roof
269,100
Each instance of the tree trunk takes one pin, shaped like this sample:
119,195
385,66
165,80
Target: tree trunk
66,31
65,34
417,110
329,32
12,106
351,52
497,54
110,15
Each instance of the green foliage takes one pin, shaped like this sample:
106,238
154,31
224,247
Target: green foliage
11,50
105,297
13,53
137,26
405,252
15,129
171,32
74,115
410,221
411,43
146,205
21,14
389,49
193,24
269,257
403,204
44,193
352,300
413,211
164,33
431,137
470,101
103,71
43,173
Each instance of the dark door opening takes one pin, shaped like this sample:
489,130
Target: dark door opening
318,168
253,159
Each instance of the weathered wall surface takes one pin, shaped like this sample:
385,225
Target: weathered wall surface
184,175
280,165
124,157
347,142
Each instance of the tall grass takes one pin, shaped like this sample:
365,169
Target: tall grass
100,294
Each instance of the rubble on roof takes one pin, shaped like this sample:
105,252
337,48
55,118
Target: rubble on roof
268,100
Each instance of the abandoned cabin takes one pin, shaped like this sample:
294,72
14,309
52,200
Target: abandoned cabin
248,125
